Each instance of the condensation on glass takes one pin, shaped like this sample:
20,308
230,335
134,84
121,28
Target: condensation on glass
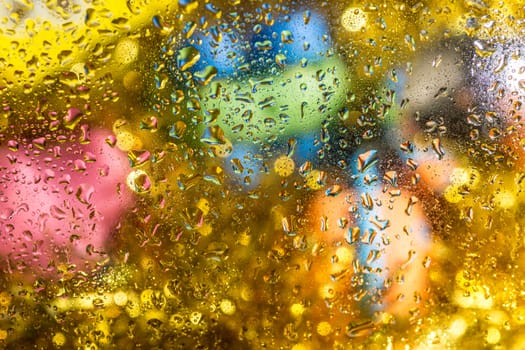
245,174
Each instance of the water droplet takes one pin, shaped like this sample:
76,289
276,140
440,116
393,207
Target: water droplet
12,145
373,256
426,262
213,135
72,118
354,235
269,122
133,7
211,115
65,57
237,166
365,160
185,3
438,147
476,4
412,164
150,123
366,201
267,102
280,59
187,57
474,119
344,113
177,130
57,212
307,15
334,190
139,181
84,193
265,45
287,37
138,157
411,43
214,179
247,116
205,76
305,169
28,235
483,49
325,135
494,133
361,329
79,165
292,143
391,178
411,202
288,226
40,143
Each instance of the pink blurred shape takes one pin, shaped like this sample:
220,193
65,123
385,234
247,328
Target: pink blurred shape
60,203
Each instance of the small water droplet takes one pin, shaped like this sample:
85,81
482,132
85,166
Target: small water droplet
411,202
360,329
269,122
138,157
150,123
438,147
305,168
307,15
237,166
280,59
334,190
265,45
287,37
391,178
366,201
40,143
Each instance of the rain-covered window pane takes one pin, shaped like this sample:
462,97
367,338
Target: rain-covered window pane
229,174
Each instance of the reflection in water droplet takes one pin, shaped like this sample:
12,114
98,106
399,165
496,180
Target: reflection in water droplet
177,130
139,181
334,190
237,166
265,45
438,147
287,37
84,193
365,160
187,57
213,135
360,329
73,117
205,76
138,157
280,59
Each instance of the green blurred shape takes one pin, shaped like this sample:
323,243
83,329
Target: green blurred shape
291,102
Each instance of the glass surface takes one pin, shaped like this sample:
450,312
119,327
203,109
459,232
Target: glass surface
262,175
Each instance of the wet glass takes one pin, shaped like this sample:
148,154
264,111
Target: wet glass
262,174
